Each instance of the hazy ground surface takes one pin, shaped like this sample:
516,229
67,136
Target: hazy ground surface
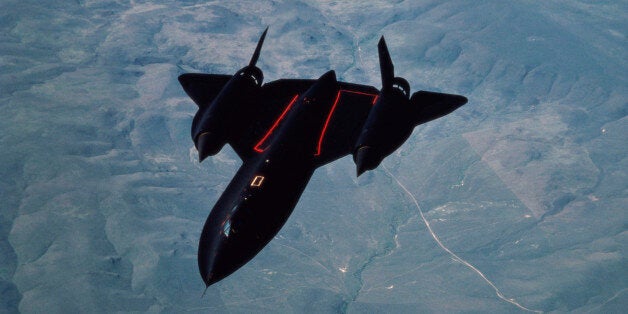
102,199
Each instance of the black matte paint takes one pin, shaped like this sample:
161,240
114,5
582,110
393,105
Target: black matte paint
321,121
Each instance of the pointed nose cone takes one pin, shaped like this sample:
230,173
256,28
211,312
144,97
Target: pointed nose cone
222,250
366,158
209,256
206,268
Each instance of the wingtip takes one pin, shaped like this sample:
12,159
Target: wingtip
464,100
460,100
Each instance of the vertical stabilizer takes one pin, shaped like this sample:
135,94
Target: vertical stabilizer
258,49
386,67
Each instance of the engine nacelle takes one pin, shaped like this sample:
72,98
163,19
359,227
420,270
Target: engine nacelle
228,112
209,144
400,84
252,73
387,127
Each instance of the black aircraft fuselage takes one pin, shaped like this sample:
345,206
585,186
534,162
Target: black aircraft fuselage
266,188
283,131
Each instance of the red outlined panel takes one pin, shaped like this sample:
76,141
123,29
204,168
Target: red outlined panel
259,147
331,113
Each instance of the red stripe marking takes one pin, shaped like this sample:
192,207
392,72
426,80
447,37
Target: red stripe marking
331,113
257,147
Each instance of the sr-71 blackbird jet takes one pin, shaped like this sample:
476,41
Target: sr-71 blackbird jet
285,129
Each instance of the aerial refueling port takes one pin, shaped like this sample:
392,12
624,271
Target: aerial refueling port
257,181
